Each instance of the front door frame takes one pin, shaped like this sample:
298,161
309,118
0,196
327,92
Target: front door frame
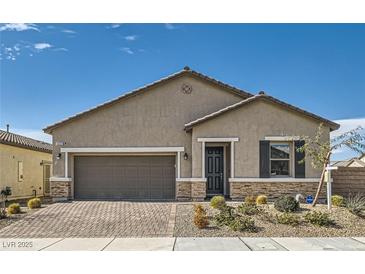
226,140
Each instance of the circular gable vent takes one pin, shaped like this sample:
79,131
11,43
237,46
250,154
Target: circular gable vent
186,89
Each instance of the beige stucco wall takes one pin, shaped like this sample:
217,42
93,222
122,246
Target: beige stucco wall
252,123
32,170
153,118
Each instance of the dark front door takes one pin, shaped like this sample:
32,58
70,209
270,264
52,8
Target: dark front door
214,170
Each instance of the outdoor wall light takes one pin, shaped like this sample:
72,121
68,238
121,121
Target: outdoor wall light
186,156
58,156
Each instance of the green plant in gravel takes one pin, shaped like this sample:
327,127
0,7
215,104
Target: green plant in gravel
286,204
250,200
248,209
225,216
267,216
200,216
34,203
242,223
319,218
337,200
217,202
261,200
356,204
2,213
288,219
14,208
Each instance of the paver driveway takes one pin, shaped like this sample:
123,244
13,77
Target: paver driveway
97,219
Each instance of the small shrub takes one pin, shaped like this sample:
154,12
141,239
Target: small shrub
200,217
225,216
250,200
243,223
261,200
288,219
286,204
34,203
248,209
2,213
319,218
356,204
217,202
14,208
337,200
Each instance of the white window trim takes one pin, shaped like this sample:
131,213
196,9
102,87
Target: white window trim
282,138
219,139
290,159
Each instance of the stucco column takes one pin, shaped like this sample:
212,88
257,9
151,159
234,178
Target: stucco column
203,159
232,159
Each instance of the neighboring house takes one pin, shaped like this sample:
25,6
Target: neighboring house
186,136
353,162
25,165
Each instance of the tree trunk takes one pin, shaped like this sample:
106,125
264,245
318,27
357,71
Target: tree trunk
321,181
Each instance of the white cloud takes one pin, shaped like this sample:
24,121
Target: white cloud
113,26
60,49
170,26
18,27
130,37
346,125
42,46
127,50
33,133
69,31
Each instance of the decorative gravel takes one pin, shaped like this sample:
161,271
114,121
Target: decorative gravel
347,224
16,217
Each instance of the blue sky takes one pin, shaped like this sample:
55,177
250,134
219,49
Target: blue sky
51,71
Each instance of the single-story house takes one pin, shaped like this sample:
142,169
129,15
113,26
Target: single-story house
184,137
25,165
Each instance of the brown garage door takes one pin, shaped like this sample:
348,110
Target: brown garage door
124,177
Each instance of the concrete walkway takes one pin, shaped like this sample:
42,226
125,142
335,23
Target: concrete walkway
182,244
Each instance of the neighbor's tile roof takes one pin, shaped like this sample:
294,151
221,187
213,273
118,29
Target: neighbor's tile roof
12,139
185,71
260,96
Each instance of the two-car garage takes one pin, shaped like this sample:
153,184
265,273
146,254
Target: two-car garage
124,177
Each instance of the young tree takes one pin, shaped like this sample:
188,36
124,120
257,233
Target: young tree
320,152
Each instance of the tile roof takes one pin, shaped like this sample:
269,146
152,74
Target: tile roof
12,139
260,96
185,71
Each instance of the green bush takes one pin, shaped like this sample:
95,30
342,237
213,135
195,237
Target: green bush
217,202
2,213
286,204
356,204
242,223
319,218
261,200
225,216
338,200
288,219
200,217
14,208
248,209
250,200
34,203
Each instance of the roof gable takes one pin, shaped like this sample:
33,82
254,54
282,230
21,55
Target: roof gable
12,139
185,71
260,96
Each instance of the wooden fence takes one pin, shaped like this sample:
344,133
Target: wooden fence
348,180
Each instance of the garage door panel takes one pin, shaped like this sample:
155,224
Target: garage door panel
124,177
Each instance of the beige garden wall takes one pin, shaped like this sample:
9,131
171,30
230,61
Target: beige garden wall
153,118
32,170
252,123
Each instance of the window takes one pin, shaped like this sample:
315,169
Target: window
20,171
279,159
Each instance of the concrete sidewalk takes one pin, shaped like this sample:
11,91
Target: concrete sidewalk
182,244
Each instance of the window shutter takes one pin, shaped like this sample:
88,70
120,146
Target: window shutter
299,167
264,159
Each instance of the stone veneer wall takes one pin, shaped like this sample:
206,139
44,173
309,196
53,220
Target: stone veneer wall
190,191
60,190
273,190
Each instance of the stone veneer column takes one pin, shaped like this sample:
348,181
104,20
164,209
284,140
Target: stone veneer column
60,189
189,189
